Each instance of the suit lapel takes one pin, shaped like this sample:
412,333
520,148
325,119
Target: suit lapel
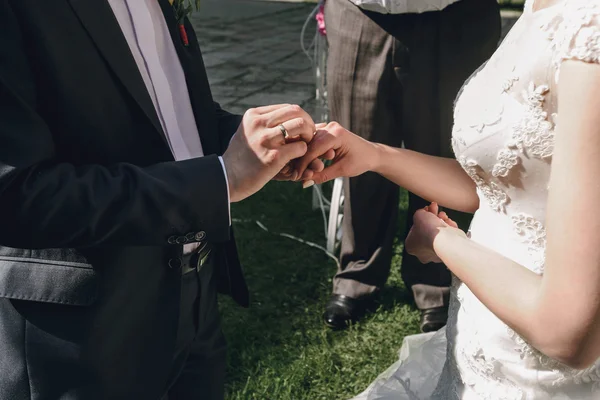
99,21
190,58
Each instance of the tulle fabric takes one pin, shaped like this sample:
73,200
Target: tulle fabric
416,373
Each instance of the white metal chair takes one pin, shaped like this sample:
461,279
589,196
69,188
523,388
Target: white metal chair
332,209
336,214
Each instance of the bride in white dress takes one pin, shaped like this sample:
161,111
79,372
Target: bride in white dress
524,320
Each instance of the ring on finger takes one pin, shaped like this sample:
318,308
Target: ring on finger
284,131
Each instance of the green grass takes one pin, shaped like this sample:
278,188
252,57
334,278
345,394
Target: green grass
279,348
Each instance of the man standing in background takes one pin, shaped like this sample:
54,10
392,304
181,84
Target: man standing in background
394,70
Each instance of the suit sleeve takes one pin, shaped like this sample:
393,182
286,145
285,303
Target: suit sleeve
228,125
46,203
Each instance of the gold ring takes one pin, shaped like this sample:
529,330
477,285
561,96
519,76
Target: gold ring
284,131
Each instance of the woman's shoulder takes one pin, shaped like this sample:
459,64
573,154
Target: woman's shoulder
574,31
570,16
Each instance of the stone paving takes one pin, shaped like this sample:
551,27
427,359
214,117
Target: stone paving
252,52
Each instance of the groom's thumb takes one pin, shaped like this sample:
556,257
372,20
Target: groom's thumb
292,150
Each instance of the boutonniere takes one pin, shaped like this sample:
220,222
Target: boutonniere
183,8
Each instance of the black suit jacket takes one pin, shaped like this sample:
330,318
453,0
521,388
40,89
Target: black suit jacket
91,201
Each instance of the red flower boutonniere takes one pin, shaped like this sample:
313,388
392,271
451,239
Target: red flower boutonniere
183,8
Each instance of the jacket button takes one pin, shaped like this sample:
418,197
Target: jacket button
190,237
181,240
200,236
175,263
172,240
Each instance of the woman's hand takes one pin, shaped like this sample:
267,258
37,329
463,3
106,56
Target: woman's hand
426,226
351,155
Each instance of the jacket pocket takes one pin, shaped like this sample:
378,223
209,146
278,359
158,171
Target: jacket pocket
49,281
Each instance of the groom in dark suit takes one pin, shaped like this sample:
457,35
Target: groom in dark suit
116,174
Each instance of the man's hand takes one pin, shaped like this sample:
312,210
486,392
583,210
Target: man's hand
258,151
289,171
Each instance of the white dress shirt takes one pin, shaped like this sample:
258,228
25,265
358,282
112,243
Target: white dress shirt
403,6
147,34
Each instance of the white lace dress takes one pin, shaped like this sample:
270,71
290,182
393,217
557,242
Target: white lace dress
505,120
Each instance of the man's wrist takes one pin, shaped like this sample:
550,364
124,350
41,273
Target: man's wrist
226,184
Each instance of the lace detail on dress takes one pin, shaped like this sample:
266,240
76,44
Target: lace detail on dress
575,33
532,233
507,159
564,373
483,373
587,45
510,81
589,375
495,196
488,116
490,384
528,352
534,134
457,143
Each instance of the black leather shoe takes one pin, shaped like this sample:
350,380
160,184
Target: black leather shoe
433,319
341,311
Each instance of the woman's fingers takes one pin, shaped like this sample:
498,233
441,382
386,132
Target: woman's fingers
287,169
307,175
330,155
444,217
322,144
316,165
286,173
329,173
452,223
434,208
